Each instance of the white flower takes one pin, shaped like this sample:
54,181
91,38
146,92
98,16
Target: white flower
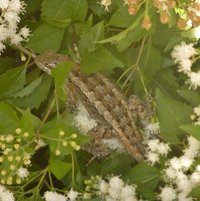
152,128
103,187
185,66
106,3
198,168
167,194
195,177
194,80
6,195
155,149
152,157
183,51
53,196
175,163
193,147
170,173
25,32
182,196
22,172
127,192
83,120
10,17
4,4
116,190
40,143
17,6
186,162
163,148
197,110
113,144
183,183
153,145
72,195
116,183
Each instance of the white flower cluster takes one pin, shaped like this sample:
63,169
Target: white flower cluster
10,11
53,196
83,120
182,55
178,182
22,172
196,115
6,195
106,3
116,190
151,129
155,149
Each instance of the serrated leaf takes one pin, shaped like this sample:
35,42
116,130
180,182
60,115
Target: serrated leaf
113,166
11,80
58,23
59,168
122,34
63,9
29,89
192,97
8,118
121,18
192,130
35,121
88,39
149,65
37,97
131,37
60,74
144,176
100,59
46,37
171,115
166,82
26,122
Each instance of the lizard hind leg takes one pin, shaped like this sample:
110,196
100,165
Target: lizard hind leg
138,110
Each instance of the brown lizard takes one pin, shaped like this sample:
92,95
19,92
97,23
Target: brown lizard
103,101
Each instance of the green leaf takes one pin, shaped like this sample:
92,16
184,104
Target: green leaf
78,9
122,34
29,89
113,165
149,65
192,130
11,80
63,9
171,115
144,175
26,122
100,59
121,18
131,37
59,168
8,118
46,37
6,64
88,39
166,81
37,97
60,74
195,192
192,97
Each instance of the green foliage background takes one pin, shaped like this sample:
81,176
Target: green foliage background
107,42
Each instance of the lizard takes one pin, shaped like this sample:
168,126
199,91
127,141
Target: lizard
104,102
